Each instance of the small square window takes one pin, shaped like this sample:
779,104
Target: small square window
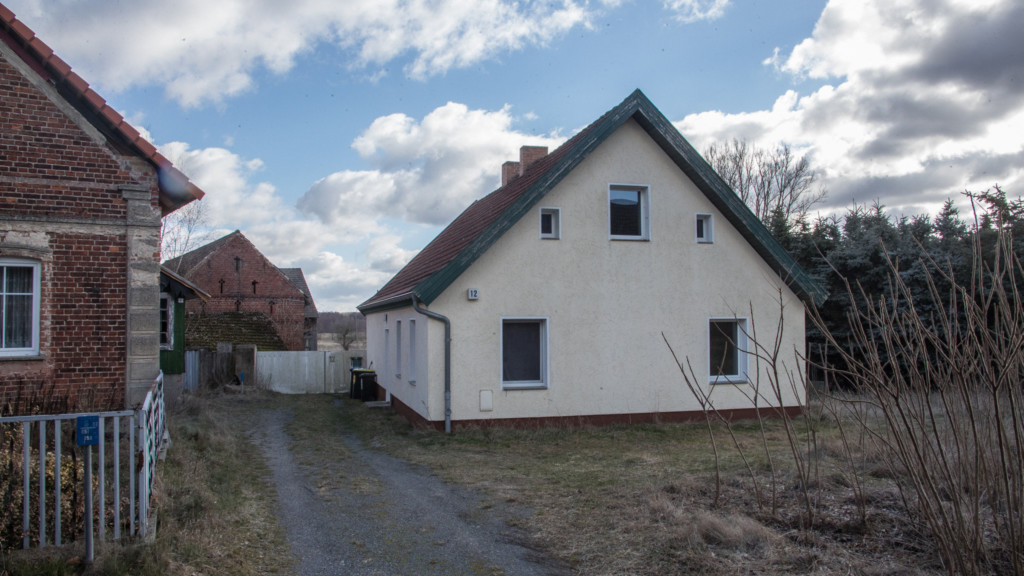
705,229
727,344
550,225
628,213
524,353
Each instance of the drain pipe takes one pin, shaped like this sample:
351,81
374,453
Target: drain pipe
447,360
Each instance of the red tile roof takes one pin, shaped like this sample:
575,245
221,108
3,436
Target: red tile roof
175,188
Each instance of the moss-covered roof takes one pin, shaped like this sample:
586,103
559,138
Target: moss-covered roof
205,330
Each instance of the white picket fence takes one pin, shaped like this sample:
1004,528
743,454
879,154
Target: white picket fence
145,431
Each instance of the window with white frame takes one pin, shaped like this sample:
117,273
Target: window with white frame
550,223
524,353
628,213
727,345
19,307
166,322
412,351
398,349
705,229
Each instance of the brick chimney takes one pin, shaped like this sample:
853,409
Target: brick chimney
527,155
509,170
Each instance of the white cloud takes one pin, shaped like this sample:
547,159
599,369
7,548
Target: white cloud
423,172
203,51
694,10
923,102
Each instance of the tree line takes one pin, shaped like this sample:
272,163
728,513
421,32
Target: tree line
855,256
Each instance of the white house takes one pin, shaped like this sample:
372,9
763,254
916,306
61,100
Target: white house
556,290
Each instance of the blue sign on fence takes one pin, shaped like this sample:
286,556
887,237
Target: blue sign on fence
88,430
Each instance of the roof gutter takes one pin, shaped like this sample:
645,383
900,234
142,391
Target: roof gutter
447,360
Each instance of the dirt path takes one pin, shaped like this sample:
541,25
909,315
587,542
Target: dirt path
379,515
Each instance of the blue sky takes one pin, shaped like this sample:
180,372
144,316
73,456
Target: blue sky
341,136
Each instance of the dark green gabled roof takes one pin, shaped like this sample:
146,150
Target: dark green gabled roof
479,226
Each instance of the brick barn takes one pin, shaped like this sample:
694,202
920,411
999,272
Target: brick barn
81,200
244,286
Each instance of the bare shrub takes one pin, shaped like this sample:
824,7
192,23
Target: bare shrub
942,403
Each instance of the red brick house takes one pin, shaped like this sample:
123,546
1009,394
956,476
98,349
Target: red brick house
241,280
81,198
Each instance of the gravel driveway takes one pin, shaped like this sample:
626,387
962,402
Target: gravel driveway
385,516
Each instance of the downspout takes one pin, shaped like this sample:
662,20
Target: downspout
447,360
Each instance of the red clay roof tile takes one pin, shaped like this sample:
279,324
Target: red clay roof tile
93,98
79,84
40,47
60,68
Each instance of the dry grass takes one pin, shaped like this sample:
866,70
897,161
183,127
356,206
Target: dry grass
638,500
614,500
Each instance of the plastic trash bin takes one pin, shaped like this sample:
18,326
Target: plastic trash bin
355,389
368,385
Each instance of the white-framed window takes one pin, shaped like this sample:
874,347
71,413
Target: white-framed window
550,223
727,350
412,351
629,212
705,229
398,349
20,292
166,322
524,353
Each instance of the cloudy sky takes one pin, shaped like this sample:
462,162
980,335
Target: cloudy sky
341,136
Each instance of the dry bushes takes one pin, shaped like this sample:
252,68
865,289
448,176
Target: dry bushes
946,388
931,404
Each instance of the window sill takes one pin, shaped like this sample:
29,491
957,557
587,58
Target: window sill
524,386
629,238
412,382
26,358
727,380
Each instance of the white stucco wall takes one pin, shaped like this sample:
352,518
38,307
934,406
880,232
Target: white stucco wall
407,380
606,302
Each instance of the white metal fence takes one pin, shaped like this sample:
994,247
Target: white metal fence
115,481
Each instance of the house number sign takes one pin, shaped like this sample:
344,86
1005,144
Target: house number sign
473,294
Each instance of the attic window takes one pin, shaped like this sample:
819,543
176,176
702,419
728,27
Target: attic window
628,213
221,285
254,283
550,223
705,229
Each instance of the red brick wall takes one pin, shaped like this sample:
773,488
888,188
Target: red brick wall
74,174
274,295
83,333
60,194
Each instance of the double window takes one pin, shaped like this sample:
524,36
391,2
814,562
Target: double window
727,345
524,352
629,212
19,307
